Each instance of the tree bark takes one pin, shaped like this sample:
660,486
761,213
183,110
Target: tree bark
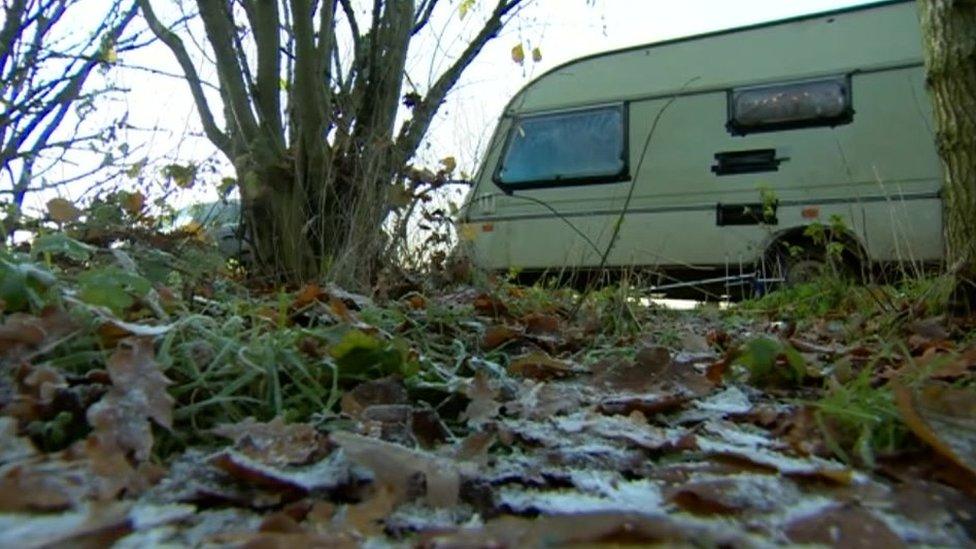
949,34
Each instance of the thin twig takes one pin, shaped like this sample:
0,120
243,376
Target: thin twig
630,195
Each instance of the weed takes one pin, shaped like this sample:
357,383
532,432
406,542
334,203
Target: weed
772,363
860,421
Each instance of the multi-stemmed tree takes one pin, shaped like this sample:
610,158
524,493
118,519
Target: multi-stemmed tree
314,116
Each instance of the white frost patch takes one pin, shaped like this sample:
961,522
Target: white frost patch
947,533
148,515
729,401
597,491
751,491
744,437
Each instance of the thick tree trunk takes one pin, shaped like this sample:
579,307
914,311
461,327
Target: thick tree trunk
949,32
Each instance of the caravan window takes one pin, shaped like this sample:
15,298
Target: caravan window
583,146
796,105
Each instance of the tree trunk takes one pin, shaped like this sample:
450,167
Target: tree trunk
949,33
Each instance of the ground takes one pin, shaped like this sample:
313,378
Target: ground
213,412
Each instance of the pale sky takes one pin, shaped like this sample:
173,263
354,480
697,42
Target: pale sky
561,29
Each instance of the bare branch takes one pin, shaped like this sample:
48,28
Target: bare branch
173,42
413,130
425,10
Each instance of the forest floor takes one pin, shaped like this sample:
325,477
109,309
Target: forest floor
153,401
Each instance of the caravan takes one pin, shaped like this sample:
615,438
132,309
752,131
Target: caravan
713,154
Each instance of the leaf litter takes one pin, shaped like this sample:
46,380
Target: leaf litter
480,418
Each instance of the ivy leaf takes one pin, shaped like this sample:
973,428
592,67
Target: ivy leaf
358,353
536,55
21,285
464,7
112,287
771,362
60,243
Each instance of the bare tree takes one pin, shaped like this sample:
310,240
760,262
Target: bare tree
313,133
44,69
949,31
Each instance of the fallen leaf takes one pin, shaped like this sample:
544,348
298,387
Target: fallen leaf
275,443
308,294
944,417
498,335
540,366
483,405
138,393
647,404
540,324
399,467
333,473
489,305
850,526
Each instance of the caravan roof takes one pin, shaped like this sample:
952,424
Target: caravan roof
861,38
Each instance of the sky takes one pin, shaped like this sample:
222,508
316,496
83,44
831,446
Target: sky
163,118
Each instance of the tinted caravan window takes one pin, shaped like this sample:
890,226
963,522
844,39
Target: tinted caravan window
565,148
785,106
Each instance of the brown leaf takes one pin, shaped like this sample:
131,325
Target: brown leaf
850,527
275,443
540,366
331,473
475,446
647,404
387,390
518,53
483,406
582,529
62,210
944,417
416,301
308,294
716,370
138,393
724,495
654,360
133,203
366,518
21,334
400,467
540,324
489,305
133,367
498,335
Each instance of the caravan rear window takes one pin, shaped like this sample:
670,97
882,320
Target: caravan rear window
796,105
577,147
